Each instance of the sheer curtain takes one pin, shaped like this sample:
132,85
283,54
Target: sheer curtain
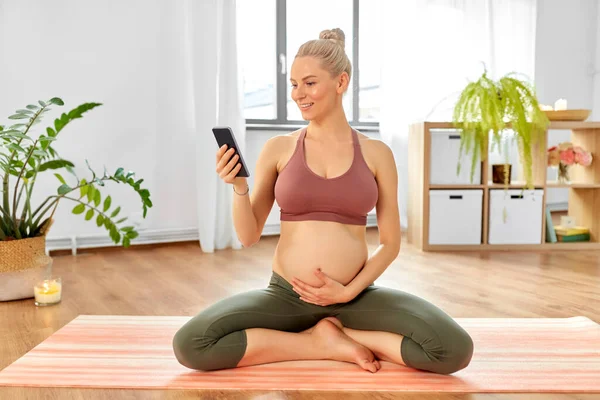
433,48
217,101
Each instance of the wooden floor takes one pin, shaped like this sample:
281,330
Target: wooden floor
178,279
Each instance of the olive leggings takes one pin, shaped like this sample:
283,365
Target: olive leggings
216,337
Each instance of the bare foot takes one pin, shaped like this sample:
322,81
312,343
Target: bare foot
338,346
336,321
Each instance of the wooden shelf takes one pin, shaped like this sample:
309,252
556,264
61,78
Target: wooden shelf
554,185
584,199
512,185
558,125
514,247
458,187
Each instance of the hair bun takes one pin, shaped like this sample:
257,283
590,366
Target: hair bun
335,34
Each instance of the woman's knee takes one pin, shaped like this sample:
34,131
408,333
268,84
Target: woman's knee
203,352
190,349
459,354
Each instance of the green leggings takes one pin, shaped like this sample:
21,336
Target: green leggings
216,338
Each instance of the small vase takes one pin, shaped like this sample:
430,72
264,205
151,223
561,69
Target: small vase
563,174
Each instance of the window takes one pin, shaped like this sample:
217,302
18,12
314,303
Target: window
271,31
256,53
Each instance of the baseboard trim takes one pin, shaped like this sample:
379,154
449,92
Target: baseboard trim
145,237
73,243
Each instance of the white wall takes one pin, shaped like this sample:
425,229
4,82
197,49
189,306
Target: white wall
565,60
119,54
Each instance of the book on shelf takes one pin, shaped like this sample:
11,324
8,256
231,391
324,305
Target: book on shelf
550,233
583,237
576,230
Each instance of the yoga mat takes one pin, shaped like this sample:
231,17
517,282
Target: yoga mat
511,355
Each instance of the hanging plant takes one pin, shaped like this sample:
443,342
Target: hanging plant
487,107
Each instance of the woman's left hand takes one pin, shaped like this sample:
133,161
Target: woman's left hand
332,292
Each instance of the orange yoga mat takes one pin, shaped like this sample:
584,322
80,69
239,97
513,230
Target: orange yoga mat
511,355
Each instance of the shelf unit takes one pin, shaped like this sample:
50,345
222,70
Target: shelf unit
584,191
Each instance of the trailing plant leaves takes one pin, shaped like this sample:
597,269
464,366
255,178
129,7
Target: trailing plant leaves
89,215
100,220
487,107
78,209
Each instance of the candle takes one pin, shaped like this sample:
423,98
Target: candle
561,104
48,292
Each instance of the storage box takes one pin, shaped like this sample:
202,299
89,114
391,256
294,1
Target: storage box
523,224
445,146
455,216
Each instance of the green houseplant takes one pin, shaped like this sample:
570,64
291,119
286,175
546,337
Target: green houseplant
487,108
23,226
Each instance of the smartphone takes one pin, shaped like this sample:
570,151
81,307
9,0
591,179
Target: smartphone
224,135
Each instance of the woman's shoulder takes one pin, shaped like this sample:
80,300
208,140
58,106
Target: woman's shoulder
279,148
372,146
281,141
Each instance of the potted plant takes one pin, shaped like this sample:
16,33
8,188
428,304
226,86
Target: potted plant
23,225
487,107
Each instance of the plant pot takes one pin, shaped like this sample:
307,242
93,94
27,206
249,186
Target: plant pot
499,173
23,263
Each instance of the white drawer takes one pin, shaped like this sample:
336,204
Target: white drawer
523,223
455,216
445,146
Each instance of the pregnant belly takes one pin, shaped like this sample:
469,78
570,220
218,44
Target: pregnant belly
339,250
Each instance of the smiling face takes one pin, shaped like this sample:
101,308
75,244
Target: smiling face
314,90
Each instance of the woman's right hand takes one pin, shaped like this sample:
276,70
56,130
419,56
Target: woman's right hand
228,166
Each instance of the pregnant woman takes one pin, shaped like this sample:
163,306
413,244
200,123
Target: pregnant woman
321,302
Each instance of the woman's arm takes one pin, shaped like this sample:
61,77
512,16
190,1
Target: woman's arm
250,211
388,221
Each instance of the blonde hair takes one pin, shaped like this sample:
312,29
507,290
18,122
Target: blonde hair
329,48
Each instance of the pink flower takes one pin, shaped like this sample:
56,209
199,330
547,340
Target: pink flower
583,157
553,156
567,156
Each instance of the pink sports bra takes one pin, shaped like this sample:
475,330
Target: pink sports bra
303,195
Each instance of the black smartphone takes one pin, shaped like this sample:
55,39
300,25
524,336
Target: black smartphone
224,135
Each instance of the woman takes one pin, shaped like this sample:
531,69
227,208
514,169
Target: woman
321,302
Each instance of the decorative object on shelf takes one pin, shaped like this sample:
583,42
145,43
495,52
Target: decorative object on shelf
487,106
568,115
564,155
567,221
23,228
501,173
560,104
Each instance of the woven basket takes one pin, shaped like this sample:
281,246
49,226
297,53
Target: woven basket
17,255
23,262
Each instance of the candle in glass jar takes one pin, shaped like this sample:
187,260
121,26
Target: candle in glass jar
48,292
